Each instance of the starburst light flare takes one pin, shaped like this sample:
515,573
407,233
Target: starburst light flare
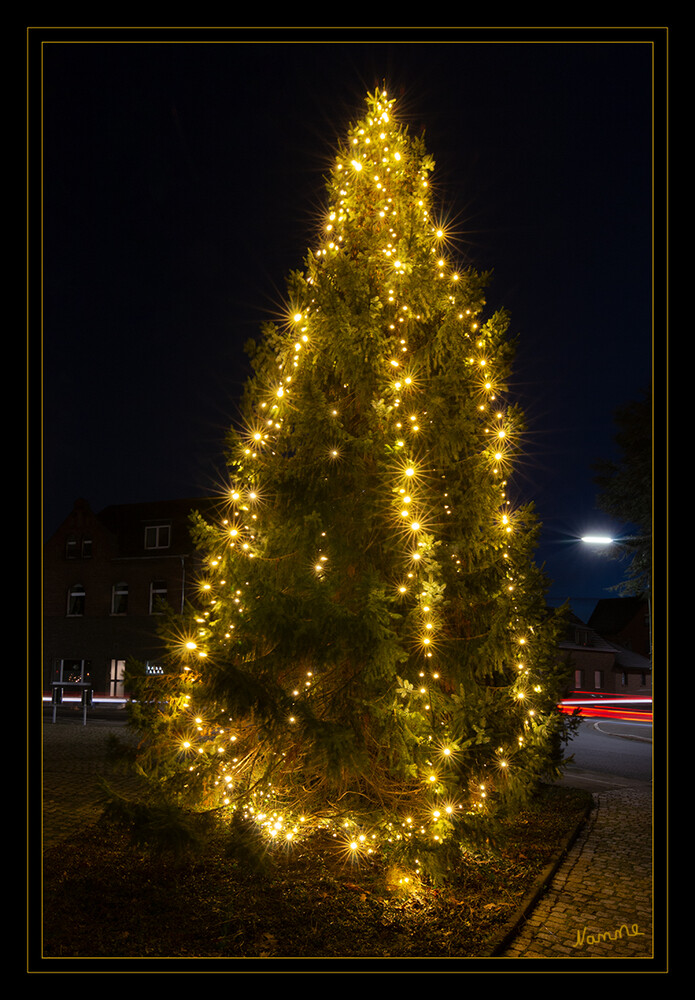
359,629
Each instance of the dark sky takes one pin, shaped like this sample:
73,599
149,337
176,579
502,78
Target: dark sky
181,180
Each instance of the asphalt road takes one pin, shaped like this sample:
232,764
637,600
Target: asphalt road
610,753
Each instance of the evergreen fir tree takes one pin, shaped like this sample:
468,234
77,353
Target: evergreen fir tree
626,491
371,654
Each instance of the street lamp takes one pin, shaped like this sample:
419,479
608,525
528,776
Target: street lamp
606,540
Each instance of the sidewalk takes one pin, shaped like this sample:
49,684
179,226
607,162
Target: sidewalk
598,904
74,757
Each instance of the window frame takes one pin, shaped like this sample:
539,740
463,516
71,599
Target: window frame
119,598
77,599
160,531
159,591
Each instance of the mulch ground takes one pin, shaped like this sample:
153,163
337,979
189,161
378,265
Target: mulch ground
104,899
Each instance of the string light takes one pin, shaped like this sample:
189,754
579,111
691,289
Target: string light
371,200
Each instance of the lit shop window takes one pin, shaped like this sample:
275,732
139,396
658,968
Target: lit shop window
116,678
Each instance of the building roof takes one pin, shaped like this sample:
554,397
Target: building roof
612,614
127,523
580,636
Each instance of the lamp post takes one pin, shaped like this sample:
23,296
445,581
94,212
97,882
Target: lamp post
606,541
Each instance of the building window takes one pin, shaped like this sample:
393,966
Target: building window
73,548
117,673
598,679
158,594
157,536
623,679
72,671
76,599
119,599
579,679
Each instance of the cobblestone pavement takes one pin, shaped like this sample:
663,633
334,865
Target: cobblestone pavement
75,756
599,903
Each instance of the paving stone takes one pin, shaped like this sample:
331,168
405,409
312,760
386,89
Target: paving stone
598,904
75,757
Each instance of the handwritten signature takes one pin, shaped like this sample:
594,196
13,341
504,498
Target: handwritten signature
599,936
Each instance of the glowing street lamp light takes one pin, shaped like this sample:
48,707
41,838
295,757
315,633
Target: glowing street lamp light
607,540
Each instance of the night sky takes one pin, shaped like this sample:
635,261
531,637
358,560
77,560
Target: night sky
182,181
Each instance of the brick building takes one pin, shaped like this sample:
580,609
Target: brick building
601,666
625,621
103,578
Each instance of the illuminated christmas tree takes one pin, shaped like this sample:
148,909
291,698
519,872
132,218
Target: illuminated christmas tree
371,654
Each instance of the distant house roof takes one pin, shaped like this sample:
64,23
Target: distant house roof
580,636
613,613
127,523
629,660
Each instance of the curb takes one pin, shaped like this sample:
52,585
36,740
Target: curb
626,736
511,928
